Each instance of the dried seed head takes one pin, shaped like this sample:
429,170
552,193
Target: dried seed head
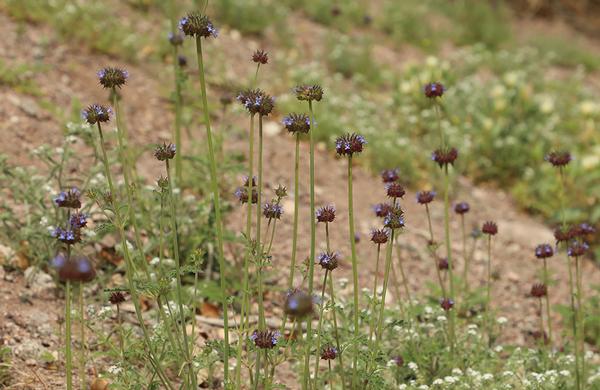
446,304
349,144
329,353
256,101
329,260
489,228
326,214
434,90
78,269
563,234
539,290
96,113
395,190
298,304
197,25
389,175
309,92
69,199
558,159
425,197
242,194
116,298
165,152
379,236
445,157
297,123
382,209
544,251
264,339
260,57
111,77
175,39
443,264
577,248
281,191
272,210
394,219
462,208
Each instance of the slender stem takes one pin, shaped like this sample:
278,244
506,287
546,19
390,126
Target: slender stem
257,372
388,265
121,336
178,98
82,373
488,290
217,206
319,329
374,306
548,320
449,253
465,257
580,319
296,207
68,354
542,330
261,307
433,251
403,274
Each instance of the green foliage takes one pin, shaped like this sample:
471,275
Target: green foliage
249,16
19,77
568,53
5,354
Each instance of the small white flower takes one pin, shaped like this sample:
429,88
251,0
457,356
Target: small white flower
565,373
441,318
343,282
413,366
498,349
154,261
437,382
487,377
457,371
428,310
502,320
44,221
450,379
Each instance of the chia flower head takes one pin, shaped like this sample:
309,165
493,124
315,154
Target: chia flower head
78,269
425,197
443,264
577,248
298,304
489,228
309,92
256,101
116,297
246,181
175,39
434,90
242,194
69,199
544,251
446,304
563,234
96,113
165,152
260,57
281,191
265,339
394,219
297,123
329,353
539,290
272,210
197,25
329,260
382,209
395,190
78,221
325,214
349,144
445,157
583,230
68,237
389,175
379,236
112,77
182,60
462,208
398,360
558,159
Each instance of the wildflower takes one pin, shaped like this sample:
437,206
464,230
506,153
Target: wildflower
58,261
445,157
558,158
398,360
256,101
78,269
165,152
260,57
379,236
425,197
96,113
577,249
111,77
329,260
543,251
563,234
395,190
309,92
298,304
272,210
326,214
197,25
462,208
382,209
281,191
489,228
539,290
175,39
242,194
434,90
69,199
502,320
116,298
394,219
583,229
265,339
297,123
68,237
182,60
446,304
329,353
78,221
349,144
443,264
389,175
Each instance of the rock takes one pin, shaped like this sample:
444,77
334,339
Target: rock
272,128
6,255
27,105
40,282
28,349
30,362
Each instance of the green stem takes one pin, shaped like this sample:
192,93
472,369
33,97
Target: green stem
68,353
465,257
82,374
386,275
580,318
257,372
434,252
261,306
296,208
121,336
403,274
178,98
374,306
542,330
449,253
354,271
217,206
319,329
488,290
546,282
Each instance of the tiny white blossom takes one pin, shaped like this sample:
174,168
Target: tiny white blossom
441,318
502,320
487,377
413,366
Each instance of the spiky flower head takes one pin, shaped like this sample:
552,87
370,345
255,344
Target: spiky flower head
577,249
349,144
443,264
490,228
69,199
425,197
256,101
329,353
326,214
175,39
329,260
197,25
66,236
583,230
389,175
242,194
462,208
445,157
165,152
434,90
116,297
281,191
260,57
77,269
446,304
394,219
544,251
539,290
246,181
111,77
96,113
563,234
272,210
309,92
298,304
558,159
265,339
395,190
382,209
379,236
297,123
78,221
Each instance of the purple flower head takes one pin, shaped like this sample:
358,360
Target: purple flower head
577,249
78,269
260,57
69,199
446,304
78,221
58,261
382,209
544,251
395,190
309,92
242,194
462,208
111,77
272,210
256,101
326,214
349,144
175,39
96,113
297,123
445,157
197,25
394,219
298,304
425,197
490,228
389,175
379,236
68,237
329,353
329,260
559,159
434,90
165,152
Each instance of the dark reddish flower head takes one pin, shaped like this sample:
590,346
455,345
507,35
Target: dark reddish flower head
443,264
349,144
309,92
329,260
583,230
434,90
260,57
563,234
96,113
489,228
78,269
446,304
297,123
242,194
462,208
395,190
577,249
69,199
394,219
116,298
165,152
329,353
256,101
379,236
272,210
539,290
425,197
326,214
382,209
197,25
175,39
544,251
398,360
298,304
265,339
357,237
111,77
445,157
389,175
558,159
281,191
